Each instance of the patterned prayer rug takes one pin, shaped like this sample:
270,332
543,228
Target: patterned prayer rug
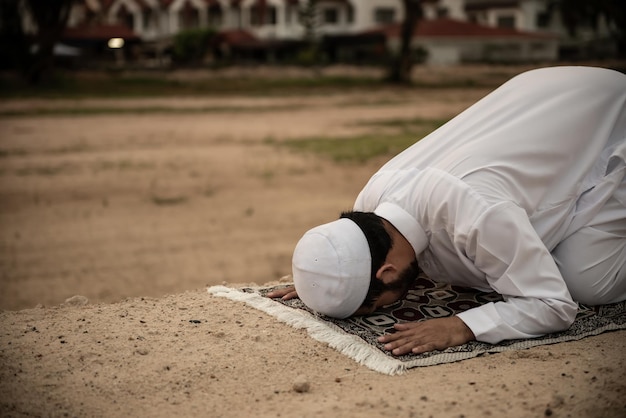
356,337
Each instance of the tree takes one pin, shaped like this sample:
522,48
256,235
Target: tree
50,19
576,14
402,62
191,45
13,41
308,17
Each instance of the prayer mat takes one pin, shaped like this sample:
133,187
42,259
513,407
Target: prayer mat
356,337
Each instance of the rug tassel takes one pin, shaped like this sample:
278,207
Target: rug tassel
347,344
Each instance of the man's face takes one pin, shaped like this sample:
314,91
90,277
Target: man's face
394,291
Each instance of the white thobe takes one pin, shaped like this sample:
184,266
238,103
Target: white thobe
484,199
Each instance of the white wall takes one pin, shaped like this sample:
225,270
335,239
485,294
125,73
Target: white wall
365,12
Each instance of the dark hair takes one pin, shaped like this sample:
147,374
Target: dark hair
379,242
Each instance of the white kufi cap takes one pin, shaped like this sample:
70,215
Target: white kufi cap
332,267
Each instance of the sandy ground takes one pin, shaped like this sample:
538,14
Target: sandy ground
112,226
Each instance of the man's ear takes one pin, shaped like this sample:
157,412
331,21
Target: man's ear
387,273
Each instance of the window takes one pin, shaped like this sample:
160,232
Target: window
189,17
500,50
262,15
215,15
538,47
384,15
506,22
126,18
149,19
543,20
350,14
330,16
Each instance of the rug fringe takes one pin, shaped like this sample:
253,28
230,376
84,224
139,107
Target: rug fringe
349,345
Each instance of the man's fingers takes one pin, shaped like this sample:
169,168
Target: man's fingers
290,295
424,336
407,345
402,349
285,293
408,338
396,335
425,348
397,343
406,325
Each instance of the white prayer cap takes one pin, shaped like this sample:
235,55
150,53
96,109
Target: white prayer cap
332,267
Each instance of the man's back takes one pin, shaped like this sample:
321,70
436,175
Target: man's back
540,141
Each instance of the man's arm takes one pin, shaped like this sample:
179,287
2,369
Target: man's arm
416,337
505,247
517,265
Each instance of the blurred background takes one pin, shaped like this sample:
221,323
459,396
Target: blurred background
156,146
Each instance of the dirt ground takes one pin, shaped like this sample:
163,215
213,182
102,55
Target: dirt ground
132,215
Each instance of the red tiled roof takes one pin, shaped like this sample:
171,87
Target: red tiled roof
450,28
99,32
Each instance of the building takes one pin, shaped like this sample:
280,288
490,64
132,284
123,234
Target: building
592,40
451,31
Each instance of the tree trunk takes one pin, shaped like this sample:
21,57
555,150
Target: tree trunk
402,63
50,17
14,43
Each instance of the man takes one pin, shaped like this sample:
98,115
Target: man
523,193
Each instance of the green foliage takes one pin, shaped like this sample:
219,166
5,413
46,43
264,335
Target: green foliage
308,16
309,56
362,148
66,85
191,46
354,149
158,84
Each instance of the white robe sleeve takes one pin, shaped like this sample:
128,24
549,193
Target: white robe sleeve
517,265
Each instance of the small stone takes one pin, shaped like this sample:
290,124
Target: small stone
301,384
141,351
164,191
77,300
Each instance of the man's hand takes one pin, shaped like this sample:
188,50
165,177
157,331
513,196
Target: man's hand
429,335
285,293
